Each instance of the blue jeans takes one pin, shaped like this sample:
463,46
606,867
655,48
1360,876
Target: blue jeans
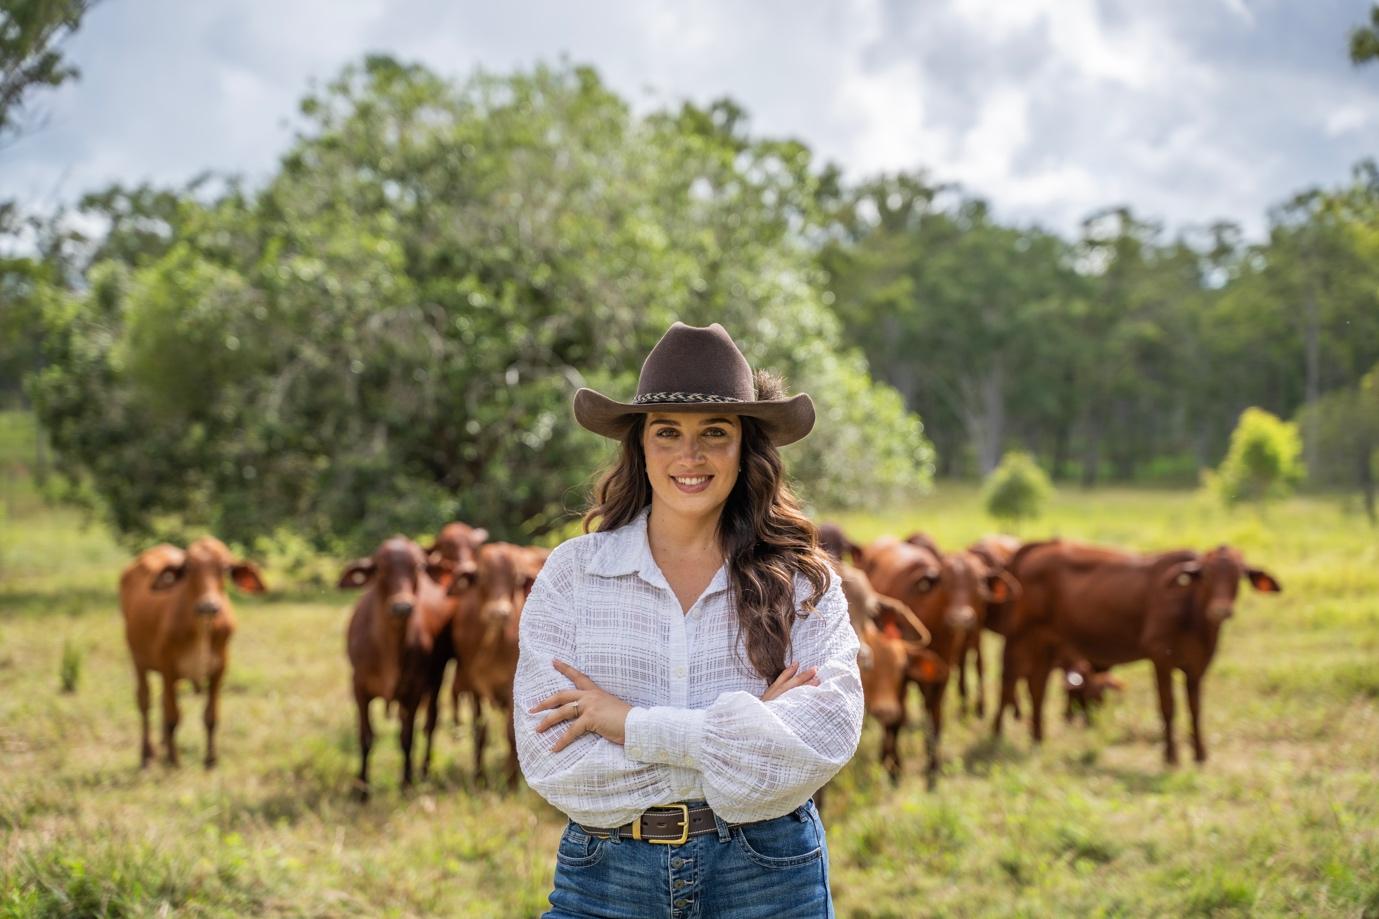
765,870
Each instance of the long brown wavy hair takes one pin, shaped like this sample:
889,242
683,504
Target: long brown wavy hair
763,533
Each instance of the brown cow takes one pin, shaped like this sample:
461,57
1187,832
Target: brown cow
833,541
397,644
994,552
178,622
456,547
484,632
885,656
943,592
1085,688
1109,607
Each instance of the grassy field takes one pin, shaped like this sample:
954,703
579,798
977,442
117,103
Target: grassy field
1283,820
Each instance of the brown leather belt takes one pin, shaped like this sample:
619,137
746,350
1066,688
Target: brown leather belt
669,824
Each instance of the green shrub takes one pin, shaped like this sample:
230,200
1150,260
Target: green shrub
1264,461
70,670
1016,489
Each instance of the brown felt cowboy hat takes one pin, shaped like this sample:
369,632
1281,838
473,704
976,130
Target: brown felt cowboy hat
690,370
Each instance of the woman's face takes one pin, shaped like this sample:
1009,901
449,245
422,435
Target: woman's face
692,458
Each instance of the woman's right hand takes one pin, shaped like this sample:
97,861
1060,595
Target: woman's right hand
789,678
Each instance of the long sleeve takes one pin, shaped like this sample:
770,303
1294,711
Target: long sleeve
592,780
762,759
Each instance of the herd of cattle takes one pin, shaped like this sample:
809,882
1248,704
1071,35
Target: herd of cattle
919,613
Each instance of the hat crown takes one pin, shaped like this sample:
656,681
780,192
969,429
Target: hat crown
693,363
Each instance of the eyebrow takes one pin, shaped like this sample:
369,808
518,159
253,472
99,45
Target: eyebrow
677,424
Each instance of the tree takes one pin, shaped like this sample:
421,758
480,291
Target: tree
31,32
1364,40
387,335
1264,461
1346,425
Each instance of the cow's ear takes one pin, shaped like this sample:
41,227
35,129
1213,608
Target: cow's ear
169,576
245,576
1263,581
1001,587
439,569
462,581
356,574
1184,574
855,553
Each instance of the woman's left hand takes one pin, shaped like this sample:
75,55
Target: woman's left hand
592,710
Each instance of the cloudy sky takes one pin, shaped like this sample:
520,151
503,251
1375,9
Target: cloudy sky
1187,110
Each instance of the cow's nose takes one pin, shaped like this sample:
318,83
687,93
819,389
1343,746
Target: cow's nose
1220,612
962,617
207,607
500,611
886,714
402,608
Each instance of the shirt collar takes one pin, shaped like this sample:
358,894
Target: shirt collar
627,550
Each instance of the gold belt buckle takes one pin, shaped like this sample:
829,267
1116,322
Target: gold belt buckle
684,835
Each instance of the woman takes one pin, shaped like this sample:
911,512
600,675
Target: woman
688,675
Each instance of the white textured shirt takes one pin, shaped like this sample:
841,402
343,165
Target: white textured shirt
698,728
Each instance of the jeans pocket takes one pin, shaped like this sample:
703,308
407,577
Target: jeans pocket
578,849
785,842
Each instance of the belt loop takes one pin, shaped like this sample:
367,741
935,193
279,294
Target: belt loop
615,834
724,833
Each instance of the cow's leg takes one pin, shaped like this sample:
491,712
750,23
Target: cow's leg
1038,680
1163,677
407,712
890,751
361,701
145,701
455,693
981,677
432,716
1194,706
512,747
212,714
170,718
962,680
1009,676
933,703
480,729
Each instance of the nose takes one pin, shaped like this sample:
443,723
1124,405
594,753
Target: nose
888,713
497,612
402,607
207,606
1220,612
962,617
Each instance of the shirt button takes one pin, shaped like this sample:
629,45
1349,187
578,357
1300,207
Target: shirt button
677,862
679,671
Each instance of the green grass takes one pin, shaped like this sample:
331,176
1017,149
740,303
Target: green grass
1283,820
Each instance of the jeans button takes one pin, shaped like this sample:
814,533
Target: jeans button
677,862
681,903
680,882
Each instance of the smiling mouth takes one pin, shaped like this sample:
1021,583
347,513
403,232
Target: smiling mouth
691,484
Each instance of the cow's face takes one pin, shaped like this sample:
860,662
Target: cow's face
883,681
1213,581
203,572
456,550
395,573
499,586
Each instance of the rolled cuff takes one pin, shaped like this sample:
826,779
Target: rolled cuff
664,734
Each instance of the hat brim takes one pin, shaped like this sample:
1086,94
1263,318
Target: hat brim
786,420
